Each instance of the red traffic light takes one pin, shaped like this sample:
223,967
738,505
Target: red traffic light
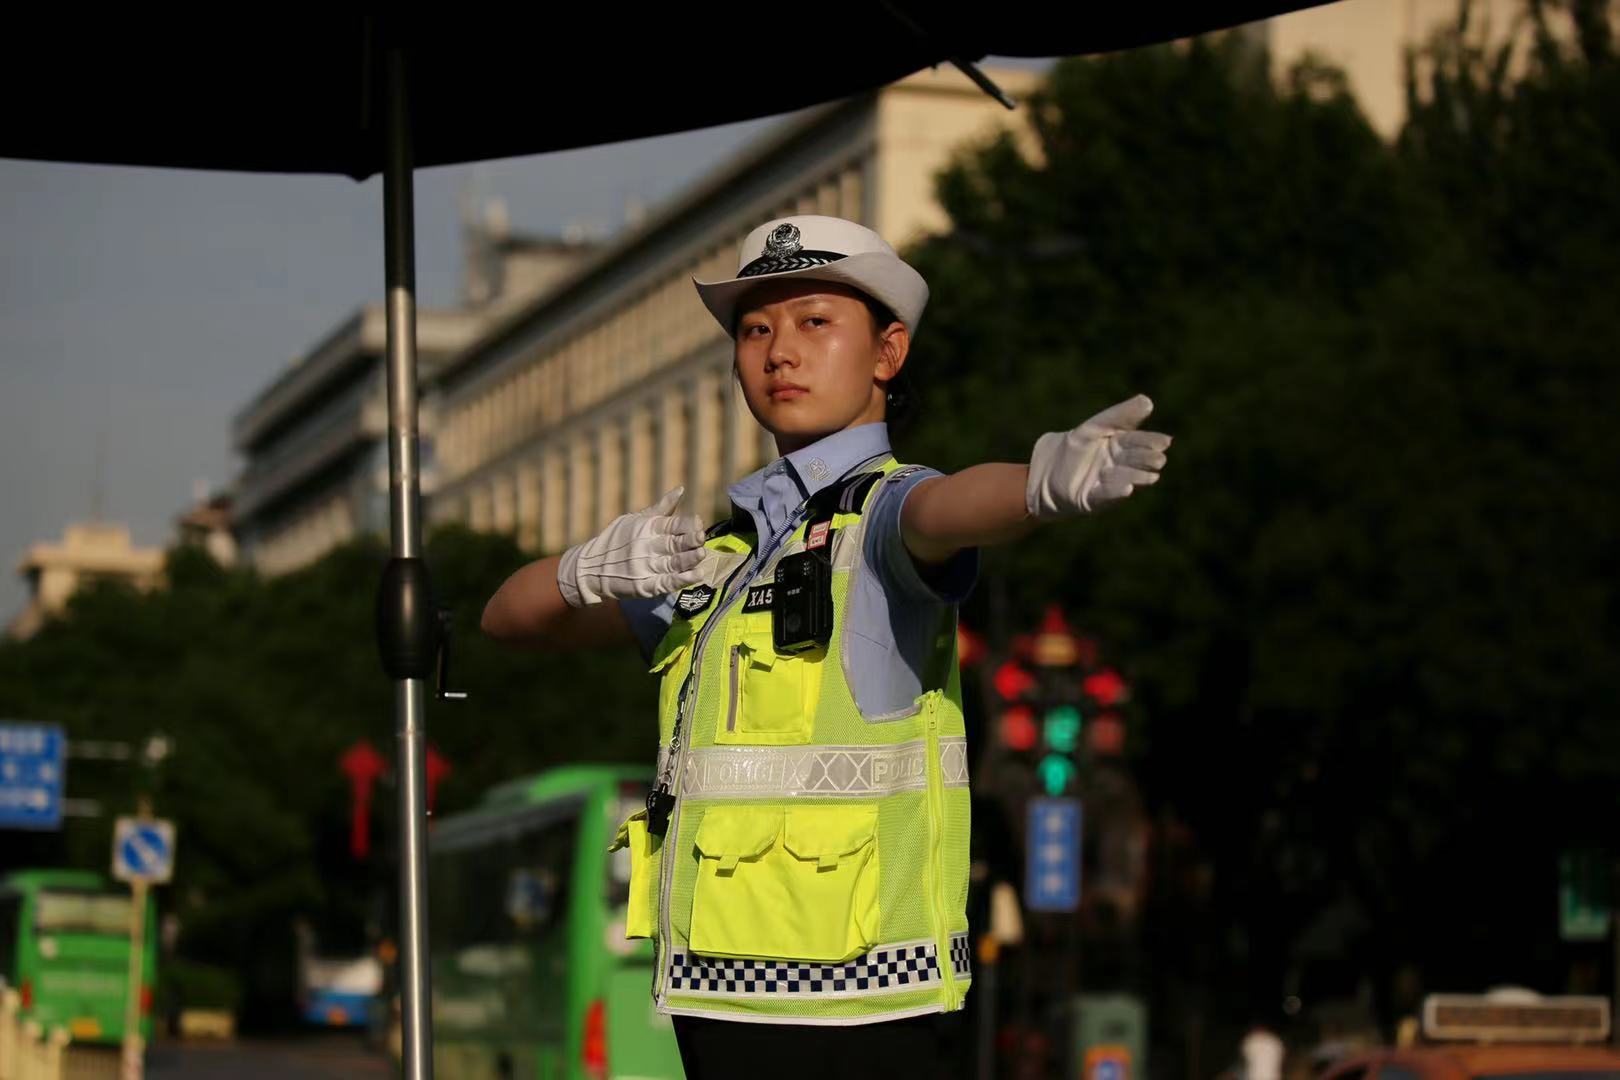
1106,735
1105,687
1018,730
1012,681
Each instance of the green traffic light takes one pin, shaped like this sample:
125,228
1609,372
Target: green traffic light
1063,728
1057,773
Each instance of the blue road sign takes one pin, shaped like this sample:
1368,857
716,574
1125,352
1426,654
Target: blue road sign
31,775
1052,855
143,849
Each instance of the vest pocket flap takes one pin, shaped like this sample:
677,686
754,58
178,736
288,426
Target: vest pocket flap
828,833
813,897
730,833
758,648
636,823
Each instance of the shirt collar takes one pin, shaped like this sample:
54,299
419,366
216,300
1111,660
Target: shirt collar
770,495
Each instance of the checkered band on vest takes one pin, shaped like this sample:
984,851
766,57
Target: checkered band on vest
883,970
961,956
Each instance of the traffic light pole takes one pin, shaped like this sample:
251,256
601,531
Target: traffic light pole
132,1061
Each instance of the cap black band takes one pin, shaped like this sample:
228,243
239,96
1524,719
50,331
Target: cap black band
777,264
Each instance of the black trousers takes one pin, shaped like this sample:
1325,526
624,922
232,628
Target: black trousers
920,1046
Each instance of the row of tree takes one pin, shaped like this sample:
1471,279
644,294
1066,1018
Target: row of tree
1372,608
261,685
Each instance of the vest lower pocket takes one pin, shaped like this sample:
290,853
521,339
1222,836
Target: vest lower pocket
795,883
641,909
770,697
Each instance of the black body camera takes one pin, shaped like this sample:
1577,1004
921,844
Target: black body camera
801,606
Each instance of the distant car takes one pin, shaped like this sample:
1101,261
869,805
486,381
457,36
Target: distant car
1503,1035
339,992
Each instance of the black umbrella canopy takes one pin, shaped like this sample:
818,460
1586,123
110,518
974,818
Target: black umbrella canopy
301,94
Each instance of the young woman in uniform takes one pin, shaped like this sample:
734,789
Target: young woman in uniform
802,860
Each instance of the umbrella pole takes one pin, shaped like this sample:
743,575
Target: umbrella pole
406,576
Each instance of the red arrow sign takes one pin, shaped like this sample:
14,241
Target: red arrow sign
363,766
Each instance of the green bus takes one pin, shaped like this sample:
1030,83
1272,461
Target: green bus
64,946
532,974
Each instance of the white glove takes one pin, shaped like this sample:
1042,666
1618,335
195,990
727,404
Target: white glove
647,553
1101,461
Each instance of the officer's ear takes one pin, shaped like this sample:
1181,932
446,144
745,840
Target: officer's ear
894,344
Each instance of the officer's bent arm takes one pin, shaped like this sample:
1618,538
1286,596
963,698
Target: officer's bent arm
979,506
528,611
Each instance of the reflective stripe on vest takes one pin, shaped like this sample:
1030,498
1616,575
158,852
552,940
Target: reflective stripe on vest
746,772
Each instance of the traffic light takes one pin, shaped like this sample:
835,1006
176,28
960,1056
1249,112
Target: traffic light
1106,737
1018,728
1105,687
1057,773
1056,703
1012,681
1062,728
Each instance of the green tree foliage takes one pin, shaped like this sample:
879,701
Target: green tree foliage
1371,609
261,685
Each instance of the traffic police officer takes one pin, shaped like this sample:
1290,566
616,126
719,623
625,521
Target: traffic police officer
802,861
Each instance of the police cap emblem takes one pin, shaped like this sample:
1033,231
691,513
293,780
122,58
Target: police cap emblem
783,241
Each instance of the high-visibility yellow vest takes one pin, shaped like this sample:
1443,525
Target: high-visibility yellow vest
814,868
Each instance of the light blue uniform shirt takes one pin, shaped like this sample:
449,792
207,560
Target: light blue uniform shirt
893,608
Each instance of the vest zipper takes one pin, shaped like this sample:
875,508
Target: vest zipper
936,841
666,869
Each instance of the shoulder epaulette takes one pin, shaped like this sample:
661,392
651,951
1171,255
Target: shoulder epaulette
844,496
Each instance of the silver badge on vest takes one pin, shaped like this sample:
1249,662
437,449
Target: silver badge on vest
693,600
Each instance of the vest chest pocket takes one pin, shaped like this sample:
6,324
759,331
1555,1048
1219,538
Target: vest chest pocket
799,883
770,696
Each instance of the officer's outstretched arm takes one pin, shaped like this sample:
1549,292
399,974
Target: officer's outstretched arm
1070,472
528,612
571,601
